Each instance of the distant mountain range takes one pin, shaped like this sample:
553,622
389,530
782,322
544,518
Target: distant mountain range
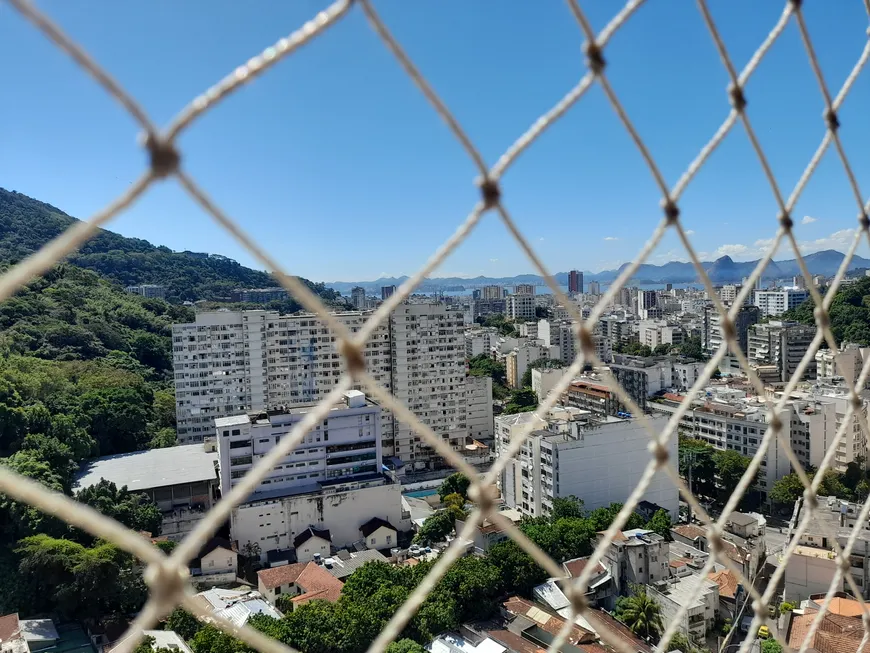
722,270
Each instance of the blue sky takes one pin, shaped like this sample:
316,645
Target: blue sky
336,163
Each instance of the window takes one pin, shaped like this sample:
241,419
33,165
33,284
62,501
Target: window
236,432
277,590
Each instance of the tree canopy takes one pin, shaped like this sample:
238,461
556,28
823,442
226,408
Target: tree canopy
849,313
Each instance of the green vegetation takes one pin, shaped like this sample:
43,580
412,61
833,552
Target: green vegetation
850,313
483,365
691,348
715,474
505,326
540,364
437,526
770,645
632,349
456,483
786,607
852,485
27,224
641,613
522,400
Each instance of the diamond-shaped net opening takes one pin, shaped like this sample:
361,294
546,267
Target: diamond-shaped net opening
167,575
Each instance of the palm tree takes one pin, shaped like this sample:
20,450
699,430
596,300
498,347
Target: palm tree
641,613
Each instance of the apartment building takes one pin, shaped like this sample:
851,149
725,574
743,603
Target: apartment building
519,359
560,333
259,295
636,557
646,299
712,330
331,481
232,362
484,307
812,567
846,363
525,289
428,375
782,345
772,303
544,380
575,281
618,330
148,290
520,307
594,288
387,292
492,292
358,298
653,333
576,453
480,341
478,402
739,423
594,395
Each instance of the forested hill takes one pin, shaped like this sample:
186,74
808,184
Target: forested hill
27,224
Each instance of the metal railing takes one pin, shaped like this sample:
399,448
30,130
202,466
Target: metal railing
167,577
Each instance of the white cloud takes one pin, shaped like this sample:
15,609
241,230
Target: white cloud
808,219
541,239
690,232
611,238
493,260
839,240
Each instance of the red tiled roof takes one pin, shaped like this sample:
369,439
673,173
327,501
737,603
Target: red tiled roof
317,583
836,633
9,626
283,575
514,642
576,566
726,581
676,564
673,397
521,607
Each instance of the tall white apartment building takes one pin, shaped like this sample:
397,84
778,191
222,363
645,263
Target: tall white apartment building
344,446
231,362
478,403
520,307
776,302
480,341
846,363
518,360
428,376
783,345
560,333
597,459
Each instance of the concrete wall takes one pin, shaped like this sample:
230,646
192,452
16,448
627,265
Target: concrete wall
805,575
273,524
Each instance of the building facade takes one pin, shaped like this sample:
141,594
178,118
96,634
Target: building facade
520,307
575,281
772,303
478,403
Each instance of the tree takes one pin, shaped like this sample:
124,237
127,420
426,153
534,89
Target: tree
569,506
211,640
436,527
405,646
20,519
862,490
787,490
520,401
183,623
505,327
455,505
165,437
785,606
770,645
696,461
692,348
602,518
456,483
661,523
641,613
730,467
661,350
519,572
133,509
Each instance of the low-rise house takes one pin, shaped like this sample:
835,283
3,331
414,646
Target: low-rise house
599,590
731,592
745,525
237,606
636,557
216,564
490,533
40,634
344,563
302,581
11,638
312,542
747,555
379,534
840,631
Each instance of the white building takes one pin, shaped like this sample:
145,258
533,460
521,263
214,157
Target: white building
701,615
331,481
846,363
518,361
776,302
544,380
782,345
428,376
597,459
636,557
344,446
480,341
478,404
520,307
232,362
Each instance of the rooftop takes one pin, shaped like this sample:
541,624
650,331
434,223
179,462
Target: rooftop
164,639
341,567
144,470
726,581
836,633
317,583
283,575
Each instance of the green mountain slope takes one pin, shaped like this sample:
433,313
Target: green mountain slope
26,224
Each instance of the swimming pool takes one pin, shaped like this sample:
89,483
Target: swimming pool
421,494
